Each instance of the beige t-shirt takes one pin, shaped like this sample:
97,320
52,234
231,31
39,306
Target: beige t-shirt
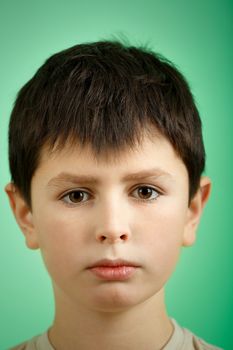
181,339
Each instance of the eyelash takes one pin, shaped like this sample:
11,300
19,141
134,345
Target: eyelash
70,203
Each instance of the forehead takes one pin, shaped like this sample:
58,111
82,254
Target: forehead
150,154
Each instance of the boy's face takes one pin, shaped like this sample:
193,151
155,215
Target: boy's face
109,220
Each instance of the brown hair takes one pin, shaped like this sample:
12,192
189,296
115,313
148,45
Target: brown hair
103,94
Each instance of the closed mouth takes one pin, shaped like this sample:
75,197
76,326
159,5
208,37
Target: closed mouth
113,263
113,270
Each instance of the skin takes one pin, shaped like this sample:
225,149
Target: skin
112,222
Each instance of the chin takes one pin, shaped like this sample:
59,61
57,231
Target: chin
116,298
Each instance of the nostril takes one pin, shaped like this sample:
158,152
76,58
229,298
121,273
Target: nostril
112,238
123,237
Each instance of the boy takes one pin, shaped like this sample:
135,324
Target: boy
106,156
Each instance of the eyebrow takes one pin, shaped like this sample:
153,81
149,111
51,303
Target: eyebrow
64,177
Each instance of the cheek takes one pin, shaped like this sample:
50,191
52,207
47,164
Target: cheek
163,238
166,221
61,242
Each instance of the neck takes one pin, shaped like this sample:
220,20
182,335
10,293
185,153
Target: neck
144,326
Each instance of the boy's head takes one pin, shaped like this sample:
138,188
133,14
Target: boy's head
105,95
106,156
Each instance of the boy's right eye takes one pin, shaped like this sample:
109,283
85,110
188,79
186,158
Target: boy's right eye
75,197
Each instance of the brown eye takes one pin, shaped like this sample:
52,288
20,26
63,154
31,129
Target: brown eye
75,197
147,193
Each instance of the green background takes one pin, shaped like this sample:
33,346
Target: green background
197,37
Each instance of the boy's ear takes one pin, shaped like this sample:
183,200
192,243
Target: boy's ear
23,215
195,210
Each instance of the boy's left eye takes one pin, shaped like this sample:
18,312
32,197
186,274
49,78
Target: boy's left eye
78,196
147,192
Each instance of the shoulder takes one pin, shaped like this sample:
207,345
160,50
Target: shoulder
184,339
27,345
38,342
200,344
19,347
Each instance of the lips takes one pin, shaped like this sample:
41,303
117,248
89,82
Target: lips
113,263
113,270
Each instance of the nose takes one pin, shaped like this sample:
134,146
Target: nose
113,224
